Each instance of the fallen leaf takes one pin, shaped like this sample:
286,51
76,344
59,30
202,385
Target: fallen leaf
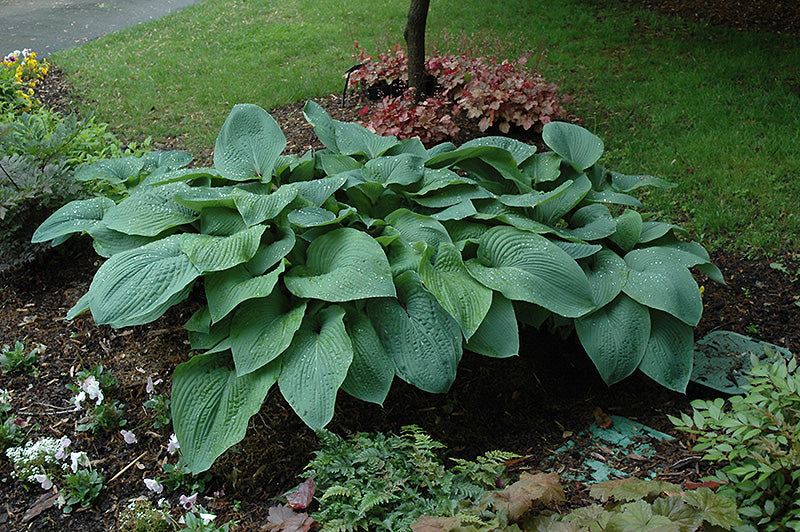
284,519
428,523
707,484
43,503
602,419
301,498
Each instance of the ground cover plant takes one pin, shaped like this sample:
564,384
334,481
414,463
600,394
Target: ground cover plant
378,257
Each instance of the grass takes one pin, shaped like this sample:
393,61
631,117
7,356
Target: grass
713,109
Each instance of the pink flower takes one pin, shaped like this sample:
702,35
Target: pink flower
151,385
173,444
128,436
92,388
62,451
188,502
153,486
44,481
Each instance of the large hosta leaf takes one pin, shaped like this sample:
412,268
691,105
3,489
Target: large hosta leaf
108,242
399,169
216,253
414,227
355,139
248,144
150,211
557,205
315,366
211,406
498,334
370,375
133,285
74,217
615,337
629,229
527,267
669,357
573,143
659,282
592,222
343,265
520,151
226,289
607,273
324,125
420,337
255,208
274,246
199,198
457,291
262,329
317,191
114,171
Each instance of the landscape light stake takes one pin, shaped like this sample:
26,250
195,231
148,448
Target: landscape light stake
347,80
9,177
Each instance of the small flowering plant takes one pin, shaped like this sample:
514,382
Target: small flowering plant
102,413
10,425
20,72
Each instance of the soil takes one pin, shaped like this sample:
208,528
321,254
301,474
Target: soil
529,404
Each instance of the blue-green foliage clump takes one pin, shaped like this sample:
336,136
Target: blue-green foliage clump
376,257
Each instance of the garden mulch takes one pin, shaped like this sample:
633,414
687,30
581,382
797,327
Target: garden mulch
531,404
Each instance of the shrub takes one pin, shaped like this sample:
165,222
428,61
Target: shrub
376,258
755,437
495,93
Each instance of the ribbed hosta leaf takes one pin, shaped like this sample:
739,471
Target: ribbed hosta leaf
399,169
74,217
216,253
323,125
615,337
108,242
415,228
248,144
343,265
542,167
669,357
457,291
256,208
226,289
211,406
607,273
319,190
626,183
355,139
578,250
221,221
527,267
317,216
520,151
453,195
459,211
592,222
629,229
573,143
660,283
262,329
315,366
498,334
199,198
370,375
420,337
555,207
114,171
436,179
132,286
150,211
274,246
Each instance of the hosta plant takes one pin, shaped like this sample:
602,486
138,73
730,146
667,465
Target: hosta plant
377,258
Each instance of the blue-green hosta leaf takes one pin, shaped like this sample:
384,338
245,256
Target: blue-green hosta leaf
518,150
420,337
335,164
74,217
578,250
453,195
216,253
343,265
203,335
542,167
607,274
412,146
271,250
221,221
248,144
114,171
531,314
262,329
615,337
614,198
226,289
498,334
550,210
660,283
108,242
398,169
459,211
626,183
256,208
404,257
80,306
525,266
435,179
324,125
414,227
315,366
690,254
457,291
532,199
200,321
317,191
211,406
669,357
353,139
465,230
199,198
629,230
165,176
317,216
150,211
133,285
172,159
573,143
655,230
370,375
592,222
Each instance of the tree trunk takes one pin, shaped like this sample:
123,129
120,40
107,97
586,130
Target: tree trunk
415,40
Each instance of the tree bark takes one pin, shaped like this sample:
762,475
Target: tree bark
415,40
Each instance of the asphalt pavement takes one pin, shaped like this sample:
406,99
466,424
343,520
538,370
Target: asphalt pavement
46,26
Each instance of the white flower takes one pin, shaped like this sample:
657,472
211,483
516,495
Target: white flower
188,502
78,459
44,481
92,388
78,399
128,436
151,385
173,444
63,443
153,486
207,518
5,397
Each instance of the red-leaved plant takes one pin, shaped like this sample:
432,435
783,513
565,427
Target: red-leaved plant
495,93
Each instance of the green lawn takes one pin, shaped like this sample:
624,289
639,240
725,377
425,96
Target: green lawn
715,110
